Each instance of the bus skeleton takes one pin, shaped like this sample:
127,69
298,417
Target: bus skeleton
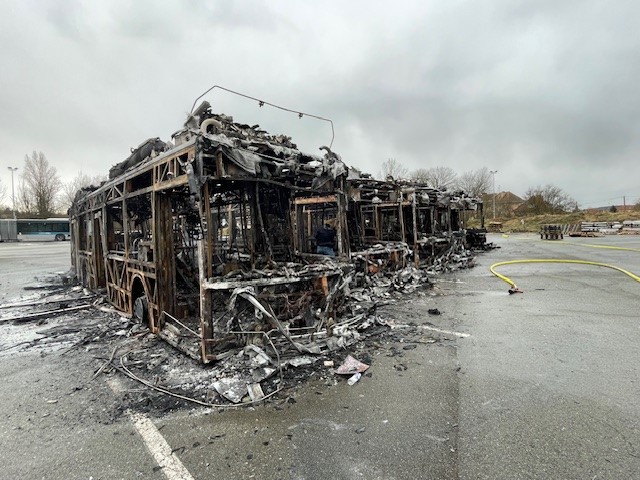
209,239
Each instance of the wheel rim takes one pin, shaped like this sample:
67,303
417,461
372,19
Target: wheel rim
140,309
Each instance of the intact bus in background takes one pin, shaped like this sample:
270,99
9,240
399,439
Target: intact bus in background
34,230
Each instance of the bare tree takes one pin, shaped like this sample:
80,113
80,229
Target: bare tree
476,182
445,177
24,199
436,177
394,169
70,188
39,186
420,175
550,199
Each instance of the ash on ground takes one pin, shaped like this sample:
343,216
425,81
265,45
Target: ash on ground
153,377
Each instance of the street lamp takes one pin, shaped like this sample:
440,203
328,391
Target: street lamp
493,188
13,195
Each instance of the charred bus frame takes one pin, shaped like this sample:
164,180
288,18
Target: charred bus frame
174,237
210,240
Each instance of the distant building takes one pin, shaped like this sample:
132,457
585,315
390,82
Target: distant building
506,203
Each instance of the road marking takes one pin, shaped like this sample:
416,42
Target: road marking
157,445
448,332
171,465
434,329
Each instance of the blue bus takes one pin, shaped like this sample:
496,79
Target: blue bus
35,230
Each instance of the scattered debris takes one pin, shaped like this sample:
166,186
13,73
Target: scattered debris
45,314
248,375
255,392
351,366
233,389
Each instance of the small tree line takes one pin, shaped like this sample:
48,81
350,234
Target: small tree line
536,200
474,182
39,191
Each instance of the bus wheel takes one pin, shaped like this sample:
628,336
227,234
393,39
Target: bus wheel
59,237
141,310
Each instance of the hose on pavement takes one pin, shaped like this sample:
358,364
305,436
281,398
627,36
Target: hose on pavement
609,247
515,289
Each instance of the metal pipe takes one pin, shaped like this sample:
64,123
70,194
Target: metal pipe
193,332
493,188
13,196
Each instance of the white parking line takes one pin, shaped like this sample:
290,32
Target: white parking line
448,332
435,329
171,465
168,461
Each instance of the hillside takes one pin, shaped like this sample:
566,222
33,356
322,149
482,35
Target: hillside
532,224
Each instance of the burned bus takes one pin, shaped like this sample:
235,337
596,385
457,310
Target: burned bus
211,239
184,232
415,224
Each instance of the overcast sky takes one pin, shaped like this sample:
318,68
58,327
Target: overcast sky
543,91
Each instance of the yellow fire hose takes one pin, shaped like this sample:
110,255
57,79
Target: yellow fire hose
515,289
610,247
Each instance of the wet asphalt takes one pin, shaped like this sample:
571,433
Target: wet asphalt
545,386
550,384
24,264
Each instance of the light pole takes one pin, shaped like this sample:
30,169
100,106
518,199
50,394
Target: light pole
493,188
13,195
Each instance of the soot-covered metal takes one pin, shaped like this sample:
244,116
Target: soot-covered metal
211,239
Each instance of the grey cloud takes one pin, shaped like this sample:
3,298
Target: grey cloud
529,88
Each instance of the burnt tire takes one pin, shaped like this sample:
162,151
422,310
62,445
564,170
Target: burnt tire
141,310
